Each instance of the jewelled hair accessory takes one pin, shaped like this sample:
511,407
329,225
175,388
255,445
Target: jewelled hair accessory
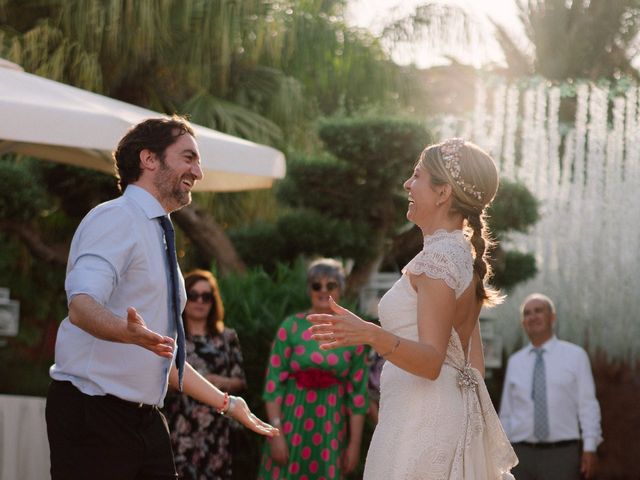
450,153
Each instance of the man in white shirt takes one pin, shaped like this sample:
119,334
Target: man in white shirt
114,356
548,408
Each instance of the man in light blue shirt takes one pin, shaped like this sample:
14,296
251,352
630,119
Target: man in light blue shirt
114,356
549,408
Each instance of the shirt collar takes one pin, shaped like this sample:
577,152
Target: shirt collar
547,346
149,204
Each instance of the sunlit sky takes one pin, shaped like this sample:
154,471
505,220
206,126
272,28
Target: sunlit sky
374,14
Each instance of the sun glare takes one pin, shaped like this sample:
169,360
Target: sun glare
476,47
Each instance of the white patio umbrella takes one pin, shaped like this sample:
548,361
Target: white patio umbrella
54,121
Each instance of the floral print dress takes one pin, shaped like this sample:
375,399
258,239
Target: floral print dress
199,435
317,391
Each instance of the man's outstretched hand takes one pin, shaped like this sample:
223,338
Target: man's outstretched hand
140,335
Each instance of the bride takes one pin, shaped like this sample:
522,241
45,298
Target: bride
436,419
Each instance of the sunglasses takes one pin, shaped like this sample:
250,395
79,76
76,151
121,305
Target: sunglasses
330,286
205,297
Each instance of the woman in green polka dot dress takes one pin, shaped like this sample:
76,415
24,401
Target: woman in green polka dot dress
316,398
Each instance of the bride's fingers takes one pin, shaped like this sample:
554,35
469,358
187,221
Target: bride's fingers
322,328
324,337
320,318
329,345
337,308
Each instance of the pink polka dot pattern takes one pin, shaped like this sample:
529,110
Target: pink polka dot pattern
282,334
324,454
306,452
314,424
328,426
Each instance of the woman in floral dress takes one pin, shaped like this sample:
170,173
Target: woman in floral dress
199,435
317,399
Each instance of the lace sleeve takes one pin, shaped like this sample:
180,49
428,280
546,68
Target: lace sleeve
444,260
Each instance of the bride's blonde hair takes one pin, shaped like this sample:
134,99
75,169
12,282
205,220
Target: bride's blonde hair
474,181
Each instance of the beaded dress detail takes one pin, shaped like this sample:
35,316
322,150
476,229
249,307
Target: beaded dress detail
443,429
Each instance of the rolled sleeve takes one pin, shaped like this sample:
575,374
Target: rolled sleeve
91,275
101,252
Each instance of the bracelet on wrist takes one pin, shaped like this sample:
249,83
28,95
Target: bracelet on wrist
393,349
232,405
225,404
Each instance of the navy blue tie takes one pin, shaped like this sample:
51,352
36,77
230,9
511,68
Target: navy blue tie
169,237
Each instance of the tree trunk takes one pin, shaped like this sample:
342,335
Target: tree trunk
361,272
209,238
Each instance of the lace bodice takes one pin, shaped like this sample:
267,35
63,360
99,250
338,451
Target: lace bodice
446,256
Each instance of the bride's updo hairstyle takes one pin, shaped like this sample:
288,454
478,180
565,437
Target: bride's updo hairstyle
474,180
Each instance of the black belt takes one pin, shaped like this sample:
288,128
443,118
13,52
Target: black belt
543,445
142,407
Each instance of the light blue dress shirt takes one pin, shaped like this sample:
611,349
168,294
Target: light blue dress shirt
574,412
118,257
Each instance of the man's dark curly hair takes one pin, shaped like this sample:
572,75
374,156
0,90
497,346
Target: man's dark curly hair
154,134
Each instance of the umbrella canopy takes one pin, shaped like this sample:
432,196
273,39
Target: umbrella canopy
50,120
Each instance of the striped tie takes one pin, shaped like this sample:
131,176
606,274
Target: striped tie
539,397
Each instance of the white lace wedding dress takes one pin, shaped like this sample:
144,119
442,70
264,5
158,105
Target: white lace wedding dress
445,429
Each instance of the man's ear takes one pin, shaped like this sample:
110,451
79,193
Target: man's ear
148,160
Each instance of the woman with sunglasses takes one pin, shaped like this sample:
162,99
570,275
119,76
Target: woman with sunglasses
200,436
316,398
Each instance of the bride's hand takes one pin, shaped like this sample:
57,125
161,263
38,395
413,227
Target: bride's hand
341,329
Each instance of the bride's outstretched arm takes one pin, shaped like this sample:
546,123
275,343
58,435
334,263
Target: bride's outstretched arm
436,311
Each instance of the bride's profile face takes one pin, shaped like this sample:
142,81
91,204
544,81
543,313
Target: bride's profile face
422,196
